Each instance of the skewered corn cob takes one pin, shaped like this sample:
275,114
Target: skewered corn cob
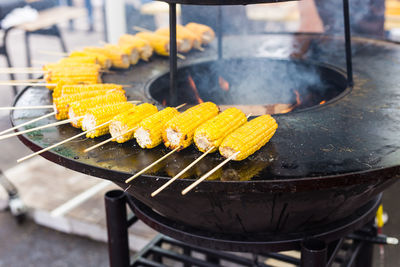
249,138
197,40
118,57
76,75
207,34
61,103
143,46
79,60
179,131
63,90
186,40
66,66
159,43
100,115
149,131
79,108
102,60
130,120
212,133
131,51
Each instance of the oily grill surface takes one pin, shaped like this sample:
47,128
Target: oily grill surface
322,165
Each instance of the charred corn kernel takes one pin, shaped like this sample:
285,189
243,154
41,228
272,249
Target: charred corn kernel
143,46
76,75
61,103
185,40
79,108
130,120
131,51
249,138
102,60
149,131
159,43
212,133
63,90
119,58
100,115
179,131
207,33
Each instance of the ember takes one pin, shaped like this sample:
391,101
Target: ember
223,84
194,88
298,102
322,102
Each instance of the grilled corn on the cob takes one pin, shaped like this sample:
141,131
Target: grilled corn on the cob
63,90
185,40
143,46
74,75
130,50
119,58
207,33
104,61
100,115
149,131
61,103
179,131
212,133
130,120
79,108
159,43
249,138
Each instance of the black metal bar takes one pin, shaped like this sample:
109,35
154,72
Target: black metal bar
347,36
172,55
28,53
181,257
146,262
59,35
313,253
219,31
117,228
333,250
132,219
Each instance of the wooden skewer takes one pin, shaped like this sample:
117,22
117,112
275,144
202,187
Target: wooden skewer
28,122
151,165
106,141
40,127
20,70
60,143
180,173
140,29
28,84
201,49
205,176
27,107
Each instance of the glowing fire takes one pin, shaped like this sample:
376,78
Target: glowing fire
223,84
194,88
322,102
164,102
298,102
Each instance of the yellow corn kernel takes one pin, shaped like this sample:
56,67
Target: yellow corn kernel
99,115
196,39
143,46
64,81
61,103
79,60
186,40
66,67
79,108
102,60
130,119
179,131
63,90
149,131
118,57
207,33
212,133
249,138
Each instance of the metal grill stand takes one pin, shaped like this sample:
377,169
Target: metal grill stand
345,243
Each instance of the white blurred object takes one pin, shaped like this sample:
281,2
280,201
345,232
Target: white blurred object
19,16
115,17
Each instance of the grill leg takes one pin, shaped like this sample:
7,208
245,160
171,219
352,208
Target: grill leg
313,253
117,228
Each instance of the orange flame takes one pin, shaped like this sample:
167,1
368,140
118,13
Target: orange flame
164,102
194,88
223,84
298,102
322,102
